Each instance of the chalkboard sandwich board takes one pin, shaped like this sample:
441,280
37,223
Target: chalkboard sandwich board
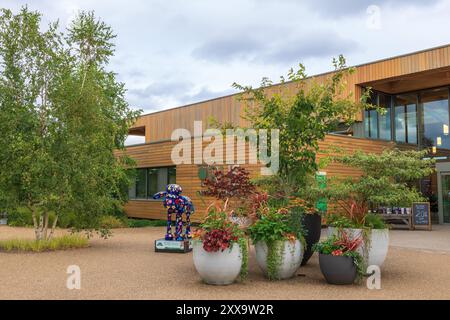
421,214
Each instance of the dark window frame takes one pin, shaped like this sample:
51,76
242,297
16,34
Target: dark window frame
389,107
147,169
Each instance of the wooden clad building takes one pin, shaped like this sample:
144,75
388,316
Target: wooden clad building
414,88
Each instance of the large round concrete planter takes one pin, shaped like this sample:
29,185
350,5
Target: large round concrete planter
337,269
378,244
290,262
217,268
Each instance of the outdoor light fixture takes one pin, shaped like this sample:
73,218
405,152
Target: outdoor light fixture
445,129
439,141
434,149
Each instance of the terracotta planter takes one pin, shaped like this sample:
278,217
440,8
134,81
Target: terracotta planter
292,253
337,269
217,268
313,226
378,244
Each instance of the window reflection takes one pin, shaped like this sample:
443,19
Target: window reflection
406,118
384,101
421,117
435,118
411,128
377,125
149,181
141,181
400,124
373,115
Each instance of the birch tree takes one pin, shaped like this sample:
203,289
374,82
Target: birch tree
62,115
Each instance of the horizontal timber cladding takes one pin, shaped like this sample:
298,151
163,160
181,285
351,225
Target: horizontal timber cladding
160,125
159,154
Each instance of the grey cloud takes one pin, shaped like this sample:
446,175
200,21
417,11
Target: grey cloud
223,49
205,93
343,8
153,97
161,89
287,49
317,46
162,45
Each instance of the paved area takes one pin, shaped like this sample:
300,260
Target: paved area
436,240
126,267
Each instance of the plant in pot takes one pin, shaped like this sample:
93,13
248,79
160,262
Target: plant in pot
284,193
220,249
387,179
304,117
340,261
279,242
311,223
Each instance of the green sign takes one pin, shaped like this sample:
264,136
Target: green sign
321,204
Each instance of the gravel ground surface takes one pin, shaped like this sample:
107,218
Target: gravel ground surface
126,267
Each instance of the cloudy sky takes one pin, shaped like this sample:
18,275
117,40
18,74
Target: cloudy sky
174,52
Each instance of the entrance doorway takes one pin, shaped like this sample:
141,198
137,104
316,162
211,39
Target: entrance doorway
443,185
445,196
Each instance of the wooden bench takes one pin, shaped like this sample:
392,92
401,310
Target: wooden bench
406,218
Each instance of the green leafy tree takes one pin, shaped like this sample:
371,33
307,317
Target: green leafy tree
304,111
387,179
63,114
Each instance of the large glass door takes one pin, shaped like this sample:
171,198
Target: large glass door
445,181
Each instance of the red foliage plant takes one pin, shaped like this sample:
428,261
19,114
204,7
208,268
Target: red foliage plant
216,240
233,184
346,243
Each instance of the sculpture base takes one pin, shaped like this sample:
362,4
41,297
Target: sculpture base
173,246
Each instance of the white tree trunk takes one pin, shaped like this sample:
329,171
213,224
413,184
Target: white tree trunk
53,227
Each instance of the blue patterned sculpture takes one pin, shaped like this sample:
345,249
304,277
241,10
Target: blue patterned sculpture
174,202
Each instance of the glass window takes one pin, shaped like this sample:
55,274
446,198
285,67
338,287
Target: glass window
385,119
141,184
377,125
162,178
405,120
411,123
366,124
400,124
373,116
435,118
152,182
172,175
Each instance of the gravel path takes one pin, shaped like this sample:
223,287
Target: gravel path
126,267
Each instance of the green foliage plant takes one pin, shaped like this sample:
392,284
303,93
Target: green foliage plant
274,227
304,111
387,179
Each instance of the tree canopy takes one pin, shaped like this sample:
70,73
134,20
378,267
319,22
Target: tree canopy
63,113
304,111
